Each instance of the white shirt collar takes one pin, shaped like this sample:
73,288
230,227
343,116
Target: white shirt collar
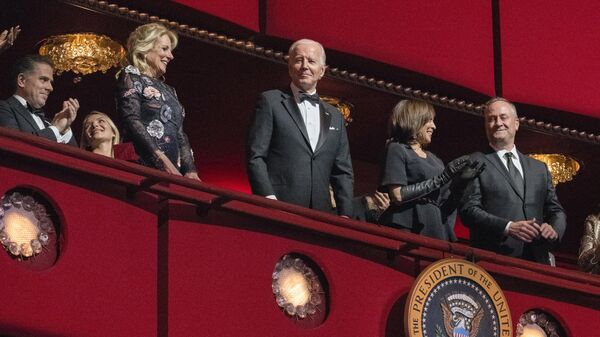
21,100
502,152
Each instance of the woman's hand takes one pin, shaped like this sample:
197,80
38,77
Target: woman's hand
166,164
8,37
192,175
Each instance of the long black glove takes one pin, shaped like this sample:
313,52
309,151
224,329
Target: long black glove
459,184
417,190
468,173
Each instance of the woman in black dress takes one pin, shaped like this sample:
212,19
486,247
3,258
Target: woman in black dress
150,110
415,179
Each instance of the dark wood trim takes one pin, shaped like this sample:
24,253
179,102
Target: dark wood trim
497,38
262,16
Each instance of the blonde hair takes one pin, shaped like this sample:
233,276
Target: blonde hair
408,117
85,141
142,40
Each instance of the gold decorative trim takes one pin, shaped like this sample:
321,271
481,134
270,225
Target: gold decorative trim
83,53
344,106
249,47
452,286
562,168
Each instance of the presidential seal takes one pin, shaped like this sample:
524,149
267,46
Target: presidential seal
456,298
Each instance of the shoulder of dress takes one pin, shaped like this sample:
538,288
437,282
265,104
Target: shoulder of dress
130,69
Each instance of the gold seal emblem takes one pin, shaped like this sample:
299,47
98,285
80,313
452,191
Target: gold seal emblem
456,298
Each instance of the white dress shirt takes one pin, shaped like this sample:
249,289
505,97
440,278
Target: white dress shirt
41,125
310,114
515,159
517,162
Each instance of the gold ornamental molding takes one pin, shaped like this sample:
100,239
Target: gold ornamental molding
248,47
83,53
562,168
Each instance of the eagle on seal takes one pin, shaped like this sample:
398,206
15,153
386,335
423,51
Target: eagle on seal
462,316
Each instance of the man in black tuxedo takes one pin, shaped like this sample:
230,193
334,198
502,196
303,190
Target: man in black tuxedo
32,76
511,208
297,144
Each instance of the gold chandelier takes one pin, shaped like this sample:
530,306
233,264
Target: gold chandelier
562,168
83,53
342,105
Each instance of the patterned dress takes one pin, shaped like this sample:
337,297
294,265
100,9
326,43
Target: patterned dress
152,118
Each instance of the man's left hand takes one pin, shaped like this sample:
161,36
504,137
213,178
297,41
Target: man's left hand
548,232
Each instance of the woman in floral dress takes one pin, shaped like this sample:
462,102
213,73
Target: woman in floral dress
149,109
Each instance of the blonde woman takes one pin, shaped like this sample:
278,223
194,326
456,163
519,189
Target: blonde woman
149,108
99,134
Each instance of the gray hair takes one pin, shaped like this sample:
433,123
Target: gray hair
307,41
493,100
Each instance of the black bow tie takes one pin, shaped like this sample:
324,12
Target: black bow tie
314,98
38,112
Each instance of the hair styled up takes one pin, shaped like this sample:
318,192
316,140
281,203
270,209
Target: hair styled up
26,64
85,142
408,117
142,40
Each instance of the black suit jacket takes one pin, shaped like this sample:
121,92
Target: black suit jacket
15,116
281,162
491,201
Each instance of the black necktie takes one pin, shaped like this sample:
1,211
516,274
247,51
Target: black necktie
314,98
514,173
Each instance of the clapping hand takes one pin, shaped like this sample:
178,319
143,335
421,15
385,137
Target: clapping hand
63,119
8,37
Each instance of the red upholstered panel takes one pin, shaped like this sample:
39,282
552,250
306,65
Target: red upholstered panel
220,284
550,54
241,12
577,320
451,40
103,284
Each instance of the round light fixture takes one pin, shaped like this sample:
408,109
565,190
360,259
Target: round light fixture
296,287
537,323
24,225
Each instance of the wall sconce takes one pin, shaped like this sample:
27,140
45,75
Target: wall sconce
298,289
537,323
342,105
83,53
562,168
24,225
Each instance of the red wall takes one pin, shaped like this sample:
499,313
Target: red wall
104,282
548,48
201,260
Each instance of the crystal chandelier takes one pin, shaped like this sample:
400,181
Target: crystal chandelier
562,168
83,53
